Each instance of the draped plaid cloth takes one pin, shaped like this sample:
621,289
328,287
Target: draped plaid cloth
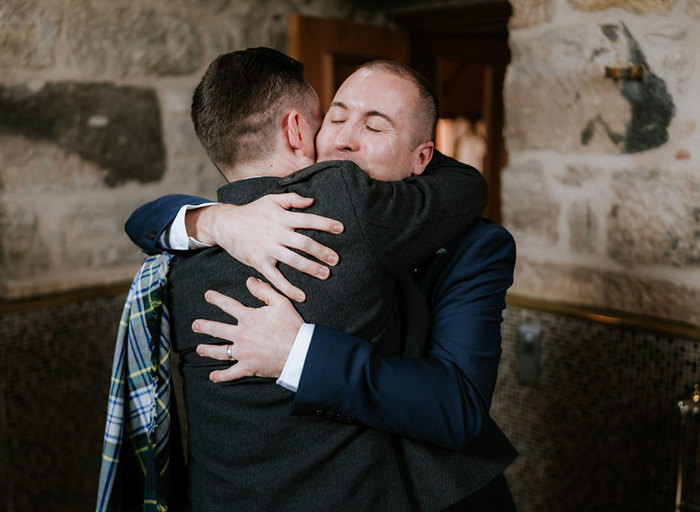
136,455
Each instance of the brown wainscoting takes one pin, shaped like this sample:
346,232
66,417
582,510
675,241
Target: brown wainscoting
657,325
64,297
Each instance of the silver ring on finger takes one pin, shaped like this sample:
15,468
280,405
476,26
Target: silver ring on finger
228,352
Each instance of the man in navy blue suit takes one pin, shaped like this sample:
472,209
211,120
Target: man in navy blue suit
438,403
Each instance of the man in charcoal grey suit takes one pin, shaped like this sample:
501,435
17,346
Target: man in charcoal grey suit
244,449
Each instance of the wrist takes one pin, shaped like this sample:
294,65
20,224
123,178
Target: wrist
199,225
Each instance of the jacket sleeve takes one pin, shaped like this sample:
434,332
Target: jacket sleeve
442,398
147,223
404,222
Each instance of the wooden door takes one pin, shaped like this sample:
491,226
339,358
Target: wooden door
332,49
468,75
463,51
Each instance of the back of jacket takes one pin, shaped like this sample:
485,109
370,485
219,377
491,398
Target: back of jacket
244,447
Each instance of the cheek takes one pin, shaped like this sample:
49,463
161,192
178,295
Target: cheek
394,158
379,147
323,143
378,161
386,152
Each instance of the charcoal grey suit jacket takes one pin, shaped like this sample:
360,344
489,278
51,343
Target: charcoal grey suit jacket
245,450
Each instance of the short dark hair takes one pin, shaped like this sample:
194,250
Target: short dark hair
428,106
239,101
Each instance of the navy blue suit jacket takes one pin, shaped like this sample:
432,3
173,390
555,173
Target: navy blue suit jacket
146,225
443,398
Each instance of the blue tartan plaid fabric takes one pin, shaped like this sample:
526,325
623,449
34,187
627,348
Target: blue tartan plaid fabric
135,467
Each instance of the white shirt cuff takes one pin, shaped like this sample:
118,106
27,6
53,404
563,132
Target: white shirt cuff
175,236
291,373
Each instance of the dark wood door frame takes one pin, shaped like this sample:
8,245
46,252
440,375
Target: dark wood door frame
475,34
330,49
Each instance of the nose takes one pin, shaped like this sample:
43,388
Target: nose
346,139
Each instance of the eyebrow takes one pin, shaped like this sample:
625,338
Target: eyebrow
376,113
371,113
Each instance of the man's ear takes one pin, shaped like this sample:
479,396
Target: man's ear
298,137
292,130
421,157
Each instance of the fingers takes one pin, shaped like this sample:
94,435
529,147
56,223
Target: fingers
272,274
214,329
303,264
312,248
218,352
311,221
225,303
263,291
233,373
306,220
292,200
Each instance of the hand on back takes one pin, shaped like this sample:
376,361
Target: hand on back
263,233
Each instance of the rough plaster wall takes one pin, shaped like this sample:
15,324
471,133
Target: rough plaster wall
602,190
94,120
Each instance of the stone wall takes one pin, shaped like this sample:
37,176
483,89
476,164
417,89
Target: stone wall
602,189
94,120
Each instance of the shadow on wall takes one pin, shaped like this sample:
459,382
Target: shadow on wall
651,104
116,127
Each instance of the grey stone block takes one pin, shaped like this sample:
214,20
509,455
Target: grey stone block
35,167
693,8
28,32
527,13
527,205
557,97
583,227
127,41
116,127
577,175
602,288
208,5
655,218
23,250
635,6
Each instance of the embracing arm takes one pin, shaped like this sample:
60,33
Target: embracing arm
404,222
258,234
146,225
442,398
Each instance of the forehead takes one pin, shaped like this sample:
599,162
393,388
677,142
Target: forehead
368,89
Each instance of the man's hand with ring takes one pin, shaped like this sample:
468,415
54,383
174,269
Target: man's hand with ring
262,339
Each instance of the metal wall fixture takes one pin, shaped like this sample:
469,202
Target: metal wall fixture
628,72
688,449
